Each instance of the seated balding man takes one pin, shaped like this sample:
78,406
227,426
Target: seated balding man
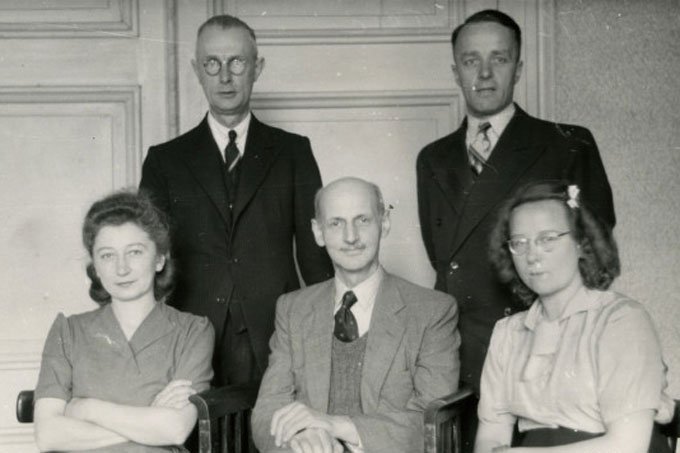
355,359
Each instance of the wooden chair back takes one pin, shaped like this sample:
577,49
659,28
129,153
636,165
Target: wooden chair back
224,418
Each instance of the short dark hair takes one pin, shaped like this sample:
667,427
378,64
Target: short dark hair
599,262
226,21
122,207
490,15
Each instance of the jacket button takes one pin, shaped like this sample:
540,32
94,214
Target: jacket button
235,260
220,300
453,265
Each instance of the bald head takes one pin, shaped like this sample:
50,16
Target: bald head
350,187
350,222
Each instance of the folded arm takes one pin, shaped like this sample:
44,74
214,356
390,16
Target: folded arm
153,425
56,431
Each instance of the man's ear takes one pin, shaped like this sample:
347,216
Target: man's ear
386,224
456,76
518,71
318,234
196,68
259,66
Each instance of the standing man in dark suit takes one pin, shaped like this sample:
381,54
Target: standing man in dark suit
464,176
240,197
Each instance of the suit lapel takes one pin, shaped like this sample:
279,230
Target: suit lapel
205,162
449,167
258,157
384,338
318,347
513,155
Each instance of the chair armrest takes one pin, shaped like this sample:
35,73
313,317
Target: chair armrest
442,426
221,401
25,406
672,428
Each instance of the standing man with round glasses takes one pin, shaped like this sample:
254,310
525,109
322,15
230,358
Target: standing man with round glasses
240,197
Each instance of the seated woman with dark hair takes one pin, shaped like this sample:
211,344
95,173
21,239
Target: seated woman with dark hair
580,370
118,378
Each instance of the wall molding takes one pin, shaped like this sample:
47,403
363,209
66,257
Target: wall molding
115,19
18,355
128,98
345,99
17,435
405,27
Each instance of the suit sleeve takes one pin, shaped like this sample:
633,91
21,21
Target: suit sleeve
424,181
435,376
153,182
278,384
315,266
587,171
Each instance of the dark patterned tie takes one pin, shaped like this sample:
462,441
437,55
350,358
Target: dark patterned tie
231,153
346,329
480,148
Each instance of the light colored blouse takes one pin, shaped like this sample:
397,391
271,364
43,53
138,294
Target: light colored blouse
598,362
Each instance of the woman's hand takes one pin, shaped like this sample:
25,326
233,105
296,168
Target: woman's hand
175,395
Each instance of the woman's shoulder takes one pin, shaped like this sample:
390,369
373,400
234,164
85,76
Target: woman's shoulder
185,320
78,319
615,305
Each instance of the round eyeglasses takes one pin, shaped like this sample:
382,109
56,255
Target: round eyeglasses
545,241
235,65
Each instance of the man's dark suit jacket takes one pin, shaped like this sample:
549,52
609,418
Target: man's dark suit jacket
244,260
456,210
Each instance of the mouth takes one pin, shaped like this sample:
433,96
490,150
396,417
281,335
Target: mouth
125,284
353,251
484,91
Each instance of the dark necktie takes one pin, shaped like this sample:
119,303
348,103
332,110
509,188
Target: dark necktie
231,153
480,148
346,329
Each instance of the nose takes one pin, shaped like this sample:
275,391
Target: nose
224,74
533,253
485,70
350,233
122,266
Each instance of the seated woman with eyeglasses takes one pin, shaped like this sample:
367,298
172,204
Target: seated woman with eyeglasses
118,378
580,370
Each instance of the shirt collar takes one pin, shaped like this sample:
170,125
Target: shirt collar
498,122
584,300
221,133
365,291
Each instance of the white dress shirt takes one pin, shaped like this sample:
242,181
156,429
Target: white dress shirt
498,123
221,133
365,292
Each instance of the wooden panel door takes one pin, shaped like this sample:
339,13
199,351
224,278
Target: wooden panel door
83,91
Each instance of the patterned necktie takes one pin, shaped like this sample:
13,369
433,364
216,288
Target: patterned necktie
480,148
231,153
346,329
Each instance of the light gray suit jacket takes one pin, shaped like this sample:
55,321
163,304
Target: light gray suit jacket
411,358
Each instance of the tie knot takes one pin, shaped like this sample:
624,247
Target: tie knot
232,136
348,299
483,127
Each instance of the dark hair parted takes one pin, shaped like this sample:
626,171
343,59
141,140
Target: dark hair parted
129,207
490,15
226,21
599,262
